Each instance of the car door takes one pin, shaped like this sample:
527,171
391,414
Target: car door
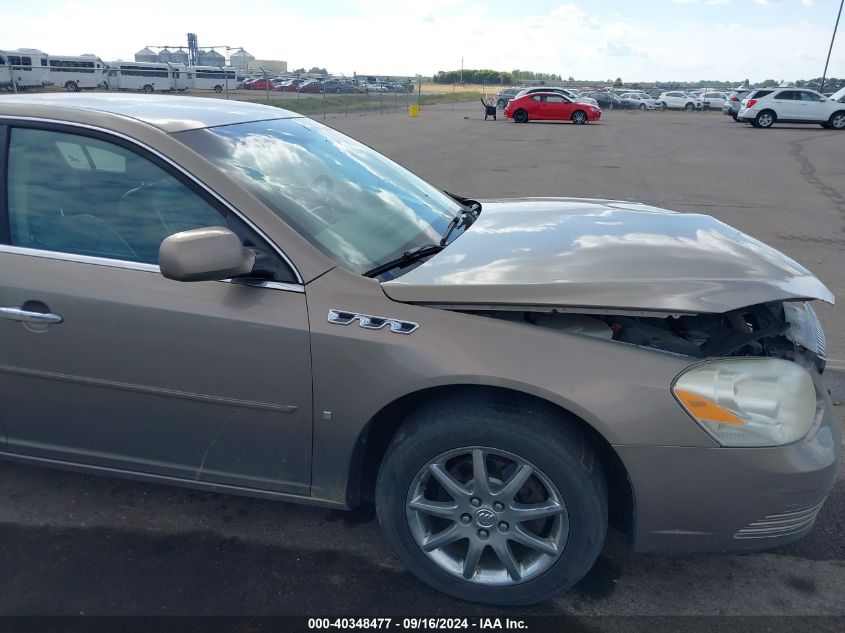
556,107
786,104
106,363
813,107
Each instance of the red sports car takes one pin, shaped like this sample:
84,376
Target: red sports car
548,106
260,84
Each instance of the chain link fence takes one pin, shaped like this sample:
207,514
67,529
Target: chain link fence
315,97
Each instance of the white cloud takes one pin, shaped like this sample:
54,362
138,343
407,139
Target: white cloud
808,3
719,2
572,38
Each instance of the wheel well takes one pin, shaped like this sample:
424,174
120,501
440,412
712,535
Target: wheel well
374,440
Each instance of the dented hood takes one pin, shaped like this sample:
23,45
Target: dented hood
604,254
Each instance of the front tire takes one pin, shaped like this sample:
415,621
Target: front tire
520,116
218,89
72,86
148,88
837,120
579,117
492,502
689,107
642,106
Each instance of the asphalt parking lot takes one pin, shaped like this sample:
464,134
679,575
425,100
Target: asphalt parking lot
71,543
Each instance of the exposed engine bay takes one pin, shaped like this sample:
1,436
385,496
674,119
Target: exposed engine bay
789,330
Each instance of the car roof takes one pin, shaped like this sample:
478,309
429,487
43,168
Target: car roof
169,113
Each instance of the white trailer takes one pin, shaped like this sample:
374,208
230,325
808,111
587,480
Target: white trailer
77,73
149,77
216,78
24,68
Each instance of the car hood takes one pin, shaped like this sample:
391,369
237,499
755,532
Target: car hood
604,254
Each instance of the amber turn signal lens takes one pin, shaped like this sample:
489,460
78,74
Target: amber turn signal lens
702,408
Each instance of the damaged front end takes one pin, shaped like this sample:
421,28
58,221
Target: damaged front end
781,329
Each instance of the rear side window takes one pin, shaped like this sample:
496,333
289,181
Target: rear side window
809,96
785,95
758,94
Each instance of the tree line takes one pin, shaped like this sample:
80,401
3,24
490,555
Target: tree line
487,76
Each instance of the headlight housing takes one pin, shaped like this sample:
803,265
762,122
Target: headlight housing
749,402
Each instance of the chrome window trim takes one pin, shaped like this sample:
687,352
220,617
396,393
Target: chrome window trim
129,265
10,121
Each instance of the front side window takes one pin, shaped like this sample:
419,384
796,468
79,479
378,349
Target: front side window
809,96
358,207
81,195
786,95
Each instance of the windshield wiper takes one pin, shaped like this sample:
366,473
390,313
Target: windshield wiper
407,258
463,219
473,206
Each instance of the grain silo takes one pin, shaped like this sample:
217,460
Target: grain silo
146,55
241,60
211,58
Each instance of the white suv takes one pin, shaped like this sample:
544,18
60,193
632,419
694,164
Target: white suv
639,100
677,100
762,108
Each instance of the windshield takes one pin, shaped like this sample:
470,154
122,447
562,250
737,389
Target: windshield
358,207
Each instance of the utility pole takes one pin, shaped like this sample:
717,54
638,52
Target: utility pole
462,70
829,50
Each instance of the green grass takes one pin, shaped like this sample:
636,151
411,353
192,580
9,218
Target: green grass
339,103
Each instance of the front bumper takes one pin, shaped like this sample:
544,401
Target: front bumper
690,499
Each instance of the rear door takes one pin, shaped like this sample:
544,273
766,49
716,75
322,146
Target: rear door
787,105
104,362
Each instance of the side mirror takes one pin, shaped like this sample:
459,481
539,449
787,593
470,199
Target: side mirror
207,254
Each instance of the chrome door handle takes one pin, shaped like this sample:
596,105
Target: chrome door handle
27,316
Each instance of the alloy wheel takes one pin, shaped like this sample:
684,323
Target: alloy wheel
487,516
765,119
837,121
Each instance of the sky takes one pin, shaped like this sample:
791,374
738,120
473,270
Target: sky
637,40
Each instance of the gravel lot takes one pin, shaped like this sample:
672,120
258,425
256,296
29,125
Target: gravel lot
71,543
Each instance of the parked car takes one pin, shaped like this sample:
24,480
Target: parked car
638,101
763,108
679,100
260,84
223,319
731,106
838,96
550,106
505,95
311,87
713,100
561,91
336,86
603,99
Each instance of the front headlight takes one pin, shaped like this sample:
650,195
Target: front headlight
749,402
